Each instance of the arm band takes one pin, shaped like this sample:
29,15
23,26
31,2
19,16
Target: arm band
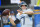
17,21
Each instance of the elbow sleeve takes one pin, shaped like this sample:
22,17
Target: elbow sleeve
17,21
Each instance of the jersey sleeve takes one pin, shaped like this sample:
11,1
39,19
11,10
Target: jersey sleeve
17,19
29,10
18,16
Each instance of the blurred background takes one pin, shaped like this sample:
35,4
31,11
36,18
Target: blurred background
10,3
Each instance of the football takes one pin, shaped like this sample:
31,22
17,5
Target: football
6,12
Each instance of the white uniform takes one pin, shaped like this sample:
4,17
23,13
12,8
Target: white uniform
26,21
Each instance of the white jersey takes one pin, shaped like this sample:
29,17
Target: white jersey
26,21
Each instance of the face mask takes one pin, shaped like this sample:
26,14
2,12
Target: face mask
24,10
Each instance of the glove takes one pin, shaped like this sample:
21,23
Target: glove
10,17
